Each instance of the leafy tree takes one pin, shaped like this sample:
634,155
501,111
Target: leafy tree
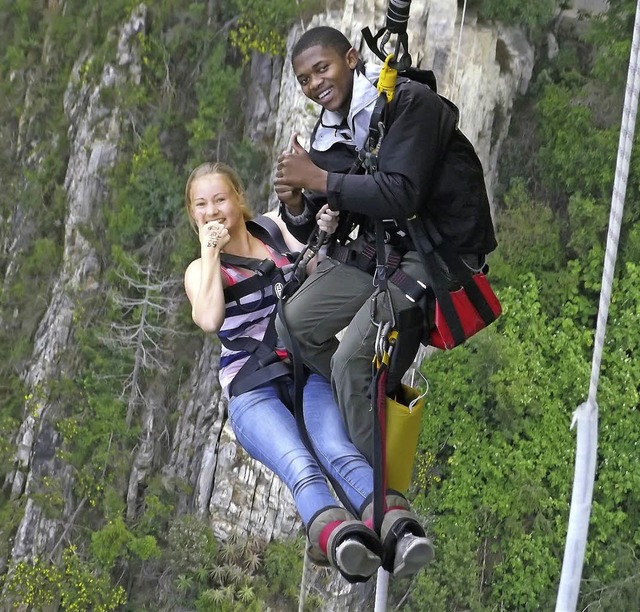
75,586
283,567
217,93
496,452
263,26
532,15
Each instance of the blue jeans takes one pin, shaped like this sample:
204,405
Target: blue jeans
268,432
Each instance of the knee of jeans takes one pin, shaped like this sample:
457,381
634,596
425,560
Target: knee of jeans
304,475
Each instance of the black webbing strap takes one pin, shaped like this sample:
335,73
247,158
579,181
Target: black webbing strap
365,260
437,280
264,267
300,374
266,229
461,273
379,405
266,273
413,290
264,364
380,278
464,275
377,122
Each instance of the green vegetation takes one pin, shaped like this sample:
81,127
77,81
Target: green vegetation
495,468
181,111
533,16
263,26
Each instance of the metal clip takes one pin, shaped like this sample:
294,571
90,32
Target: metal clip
382,344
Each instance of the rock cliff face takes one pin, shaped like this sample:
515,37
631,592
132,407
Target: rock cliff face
482,69
94,133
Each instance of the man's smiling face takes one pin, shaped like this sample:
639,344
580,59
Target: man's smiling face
326,76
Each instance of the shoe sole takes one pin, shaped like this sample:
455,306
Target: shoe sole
355,559
417,555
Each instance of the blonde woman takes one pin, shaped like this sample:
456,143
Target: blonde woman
261,421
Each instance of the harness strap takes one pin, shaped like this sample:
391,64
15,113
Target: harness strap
365,259
462,273
270,373
413,290
267,230
266,274
378,402
264,364
300,373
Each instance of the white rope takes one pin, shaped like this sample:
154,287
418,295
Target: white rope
303,583
586,415
382,587
454,76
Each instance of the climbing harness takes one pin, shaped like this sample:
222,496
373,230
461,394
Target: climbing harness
265,362
433,251
383,262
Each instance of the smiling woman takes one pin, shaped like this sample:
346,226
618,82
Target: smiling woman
256,379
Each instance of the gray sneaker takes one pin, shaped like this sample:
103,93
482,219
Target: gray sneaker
355,559
412,554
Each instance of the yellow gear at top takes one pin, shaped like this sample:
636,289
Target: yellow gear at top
387,80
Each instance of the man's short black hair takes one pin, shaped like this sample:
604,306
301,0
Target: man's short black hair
323,36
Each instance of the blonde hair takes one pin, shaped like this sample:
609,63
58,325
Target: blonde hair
232,178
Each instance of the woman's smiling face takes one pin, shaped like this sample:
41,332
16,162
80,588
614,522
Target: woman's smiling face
213,199
326,76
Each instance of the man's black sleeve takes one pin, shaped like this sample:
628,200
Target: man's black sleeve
419,129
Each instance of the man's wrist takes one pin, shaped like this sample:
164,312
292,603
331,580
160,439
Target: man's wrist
320,181
295,206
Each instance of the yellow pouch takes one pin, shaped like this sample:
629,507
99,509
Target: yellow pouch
403,428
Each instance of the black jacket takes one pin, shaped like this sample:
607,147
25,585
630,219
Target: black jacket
425,166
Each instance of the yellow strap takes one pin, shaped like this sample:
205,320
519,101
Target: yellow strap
387,80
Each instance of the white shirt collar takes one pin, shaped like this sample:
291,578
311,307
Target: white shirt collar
363,100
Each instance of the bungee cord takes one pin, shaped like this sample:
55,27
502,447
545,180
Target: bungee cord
454,75
586,415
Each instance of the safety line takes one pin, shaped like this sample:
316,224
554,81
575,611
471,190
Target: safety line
586,415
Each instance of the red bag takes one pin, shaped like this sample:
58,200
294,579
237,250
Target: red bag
441,337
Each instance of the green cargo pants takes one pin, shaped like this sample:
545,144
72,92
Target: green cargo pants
338,296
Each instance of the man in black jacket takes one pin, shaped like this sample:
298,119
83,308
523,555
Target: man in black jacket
418,173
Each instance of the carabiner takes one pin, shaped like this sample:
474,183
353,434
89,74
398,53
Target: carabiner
381,344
